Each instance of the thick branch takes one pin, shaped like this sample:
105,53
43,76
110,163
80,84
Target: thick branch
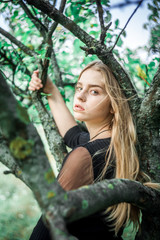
100,196
57,146
148,128
7,159
87,200
26,150
151,103
53,13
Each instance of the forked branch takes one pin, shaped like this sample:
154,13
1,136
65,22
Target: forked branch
101,20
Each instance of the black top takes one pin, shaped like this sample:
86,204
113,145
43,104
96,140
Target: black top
80,167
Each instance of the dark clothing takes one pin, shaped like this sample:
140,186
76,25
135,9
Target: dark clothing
81,167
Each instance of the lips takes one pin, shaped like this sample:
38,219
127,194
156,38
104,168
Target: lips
78,108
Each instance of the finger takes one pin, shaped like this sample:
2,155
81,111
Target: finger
35,85
31,88
36,79
36,72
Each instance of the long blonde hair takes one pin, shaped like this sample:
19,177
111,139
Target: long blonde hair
122,147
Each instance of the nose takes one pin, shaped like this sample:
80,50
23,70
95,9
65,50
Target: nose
81,96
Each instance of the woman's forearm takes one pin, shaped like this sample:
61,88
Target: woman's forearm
61,114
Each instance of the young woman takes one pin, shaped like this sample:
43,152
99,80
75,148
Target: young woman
106,151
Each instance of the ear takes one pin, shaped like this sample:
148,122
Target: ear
111,110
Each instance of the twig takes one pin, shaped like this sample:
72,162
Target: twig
55,24
5,1
101,20
18,43
124,4
140,2
100,13
38,24
103,34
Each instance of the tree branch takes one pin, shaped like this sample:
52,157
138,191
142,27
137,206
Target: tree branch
101,20
47,120
101,195
20,138
151,103
96,48
57,72
140,2
55,14
7,159
124,4
51,132
97,197
149,127
54,25
6,61
18,43
38,24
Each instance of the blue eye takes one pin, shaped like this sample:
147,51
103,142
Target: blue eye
78,89
94,92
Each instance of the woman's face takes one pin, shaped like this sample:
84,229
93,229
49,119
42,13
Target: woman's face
91,102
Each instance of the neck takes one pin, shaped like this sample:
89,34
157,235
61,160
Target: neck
101,131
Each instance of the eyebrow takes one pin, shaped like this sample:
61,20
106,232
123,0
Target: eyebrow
90,85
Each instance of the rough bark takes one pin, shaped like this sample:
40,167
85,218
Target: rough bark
148,129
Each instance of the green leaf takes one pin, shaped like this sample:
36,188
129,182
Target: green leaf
45,94
15,14
117,23
108,17
109,35
152,64
95,33
120,42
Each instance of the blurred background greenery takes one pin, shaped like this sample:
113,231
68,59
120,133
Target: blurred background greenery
19,211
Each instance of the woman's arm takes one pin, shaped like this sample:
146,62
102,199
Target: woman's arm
61,114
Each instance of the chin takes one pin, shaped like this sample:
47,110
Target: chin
78,117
